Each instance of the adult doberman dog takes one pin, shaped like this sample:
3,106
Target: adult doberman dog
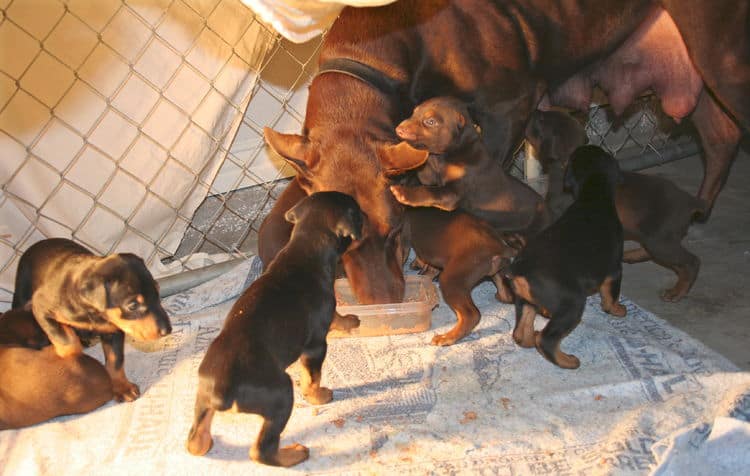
508,58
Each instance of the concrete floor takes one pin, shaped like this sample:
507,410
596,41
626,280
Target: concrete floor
717,309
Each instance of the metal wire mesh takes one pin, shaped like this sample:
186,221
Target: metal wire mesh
108,103
88,155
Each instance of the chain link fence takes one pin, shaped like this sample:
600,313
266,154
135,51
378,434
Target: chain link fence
136,125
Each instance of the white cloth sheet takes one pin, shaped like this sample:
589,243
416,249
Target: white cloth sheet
646,396
302,20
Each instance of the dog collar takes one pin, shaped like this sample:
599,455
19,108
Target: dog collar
366,74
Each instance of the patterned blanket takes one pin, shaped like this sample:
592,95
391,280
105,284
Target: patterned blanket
647,398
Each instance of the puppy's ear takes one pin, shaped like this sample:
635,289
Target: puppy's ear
399,158
294,214
92,289
294,148
290,216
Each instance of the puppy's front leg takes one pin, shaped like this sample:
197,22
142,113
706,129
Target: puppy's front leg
312,362
62,336
344,323
444,198
113,346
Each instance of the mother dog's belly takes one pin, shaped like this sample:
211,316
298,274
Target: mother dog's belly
653,57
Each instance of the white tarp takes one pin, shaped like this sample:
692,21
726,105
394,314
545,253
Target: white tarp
645,394
302,20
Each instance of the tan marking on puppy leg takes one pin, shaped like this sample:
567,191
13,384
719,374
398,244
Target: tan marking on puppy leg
523,334
561,359
504,293
73,348
465,324
311,390
292,455
200,441
609,304
521,288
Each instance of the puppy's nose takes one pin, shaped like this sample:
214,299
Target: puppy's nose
405,132
165,330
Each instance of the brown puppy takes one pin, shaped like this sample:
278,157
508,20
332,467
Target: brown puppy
18,328
38,385
461,174
284,315
467,250
579,254
653,211
73,293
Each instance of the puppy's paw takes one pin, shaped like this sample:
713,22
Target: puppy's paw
319,396
125,391
524,339
617,310
292,455
344,323
350,322
446,339
555,355
672,295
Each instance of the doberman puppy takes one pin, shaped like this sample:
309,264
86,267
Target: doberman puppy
74,294
460,172
653,211
284,315
467,250
577,255
37,384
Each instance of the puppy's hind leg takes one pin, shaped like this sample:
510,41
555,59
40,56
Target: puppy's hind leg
312,362
684,263
523,333
199,439
610,294
562,322
456,283
275,408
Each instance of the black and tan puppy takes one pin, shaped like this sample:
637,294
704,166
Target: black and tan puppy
36,383
74,293
283,316
466,250
653,211
461,174
577,255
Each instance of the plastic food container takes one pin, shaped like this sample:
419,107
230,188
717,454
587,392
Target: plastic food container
412,315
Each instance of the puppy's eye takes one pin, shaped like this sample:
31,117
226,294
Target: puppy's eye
132,306
430,122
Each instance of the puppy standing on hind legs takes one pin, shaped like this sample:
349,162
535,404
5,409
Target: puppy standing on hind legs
577,255
283,316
